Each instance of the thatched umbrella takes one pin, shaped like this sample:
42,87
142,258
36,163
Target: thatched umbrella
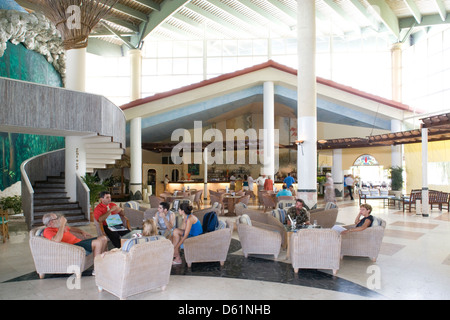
75,19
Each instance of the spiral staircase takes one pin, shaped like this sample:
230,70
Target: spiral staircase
97,123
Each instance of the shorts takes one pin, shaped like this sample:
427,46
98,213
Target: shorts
86,244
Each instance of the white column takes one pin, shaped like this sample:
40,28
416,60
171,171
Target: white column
74,149
136,73
268,167
205,175
306,103
135,156
76,69
336,171
396,58
135,125
75,164
425,205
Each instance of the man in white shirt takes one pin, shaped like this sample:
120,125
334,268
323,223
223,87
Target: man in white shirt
260,182
349,182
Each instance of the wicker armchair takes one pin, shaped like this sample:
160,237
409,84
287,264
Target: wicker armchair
146,266
207,247
257,240
315,249
269,201
154,201
324,218
366,243
265,221
57,257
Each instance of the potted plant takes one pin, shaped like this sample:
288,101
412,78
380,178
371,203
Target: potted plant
13,203
396,180
95,187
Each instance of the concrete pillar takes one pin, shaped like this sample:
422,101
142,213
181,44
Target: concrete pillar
74,149
337,173
269,164
396,125
75,164
135,126
396,58
306,103
425,205
76,69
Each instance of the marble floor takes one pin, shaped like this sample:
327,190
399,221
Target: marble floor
414,264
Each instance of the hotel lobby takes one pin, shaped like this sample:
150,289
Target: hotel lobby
110,107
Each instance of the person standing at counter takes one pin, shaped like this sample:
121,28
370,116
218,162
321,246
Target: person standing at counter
288,180
232,182
260,182
268,184
166,182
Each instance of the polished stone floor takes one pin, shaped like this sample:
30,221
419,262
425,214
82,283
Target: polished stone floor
414,263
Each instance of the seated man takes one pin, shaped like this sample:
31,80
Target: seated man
165,220
284,192
57,230
102,211
299,213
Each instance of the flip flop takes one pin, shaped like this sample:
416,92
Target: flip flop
175,262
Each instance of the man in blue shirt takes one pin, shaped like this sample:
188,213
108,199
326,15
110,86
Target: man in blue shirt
288,180
284,192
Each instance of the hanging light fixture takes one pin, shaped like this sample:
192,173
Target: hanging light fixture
75,19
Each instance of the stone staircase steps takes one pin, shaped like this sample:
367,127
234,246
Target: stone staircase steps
50,196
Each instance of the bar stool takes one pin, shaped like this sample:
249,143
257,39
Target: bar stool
4,224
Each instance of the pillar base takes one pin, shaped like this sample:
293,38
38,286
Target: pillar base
309,196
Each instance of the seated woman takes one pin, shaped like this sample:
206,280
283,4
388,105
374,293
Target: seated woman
149,228
363,220
191,227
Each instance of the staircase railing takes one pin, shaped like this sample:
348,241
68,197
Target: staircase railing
83,197
35,169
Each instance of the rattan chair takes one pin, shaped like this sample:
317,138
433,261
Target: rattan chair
365,243
315,249
208,247
146,266
52,257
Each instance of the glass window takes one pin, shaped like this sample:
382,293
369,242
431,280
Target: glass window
165,49
195,66
230,48
180,66
260,47
180,49
245,47
195,48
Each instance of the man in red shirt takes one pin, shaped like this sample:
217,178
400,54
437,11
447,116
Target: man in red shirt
102,212
57,230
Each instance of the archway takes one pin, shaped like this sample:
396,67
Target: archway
369,172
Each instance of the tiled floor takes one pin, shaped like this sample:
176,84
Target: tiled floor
414,263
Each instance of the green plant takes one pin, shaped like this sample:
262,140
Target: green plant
14,202
95,187
396,178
